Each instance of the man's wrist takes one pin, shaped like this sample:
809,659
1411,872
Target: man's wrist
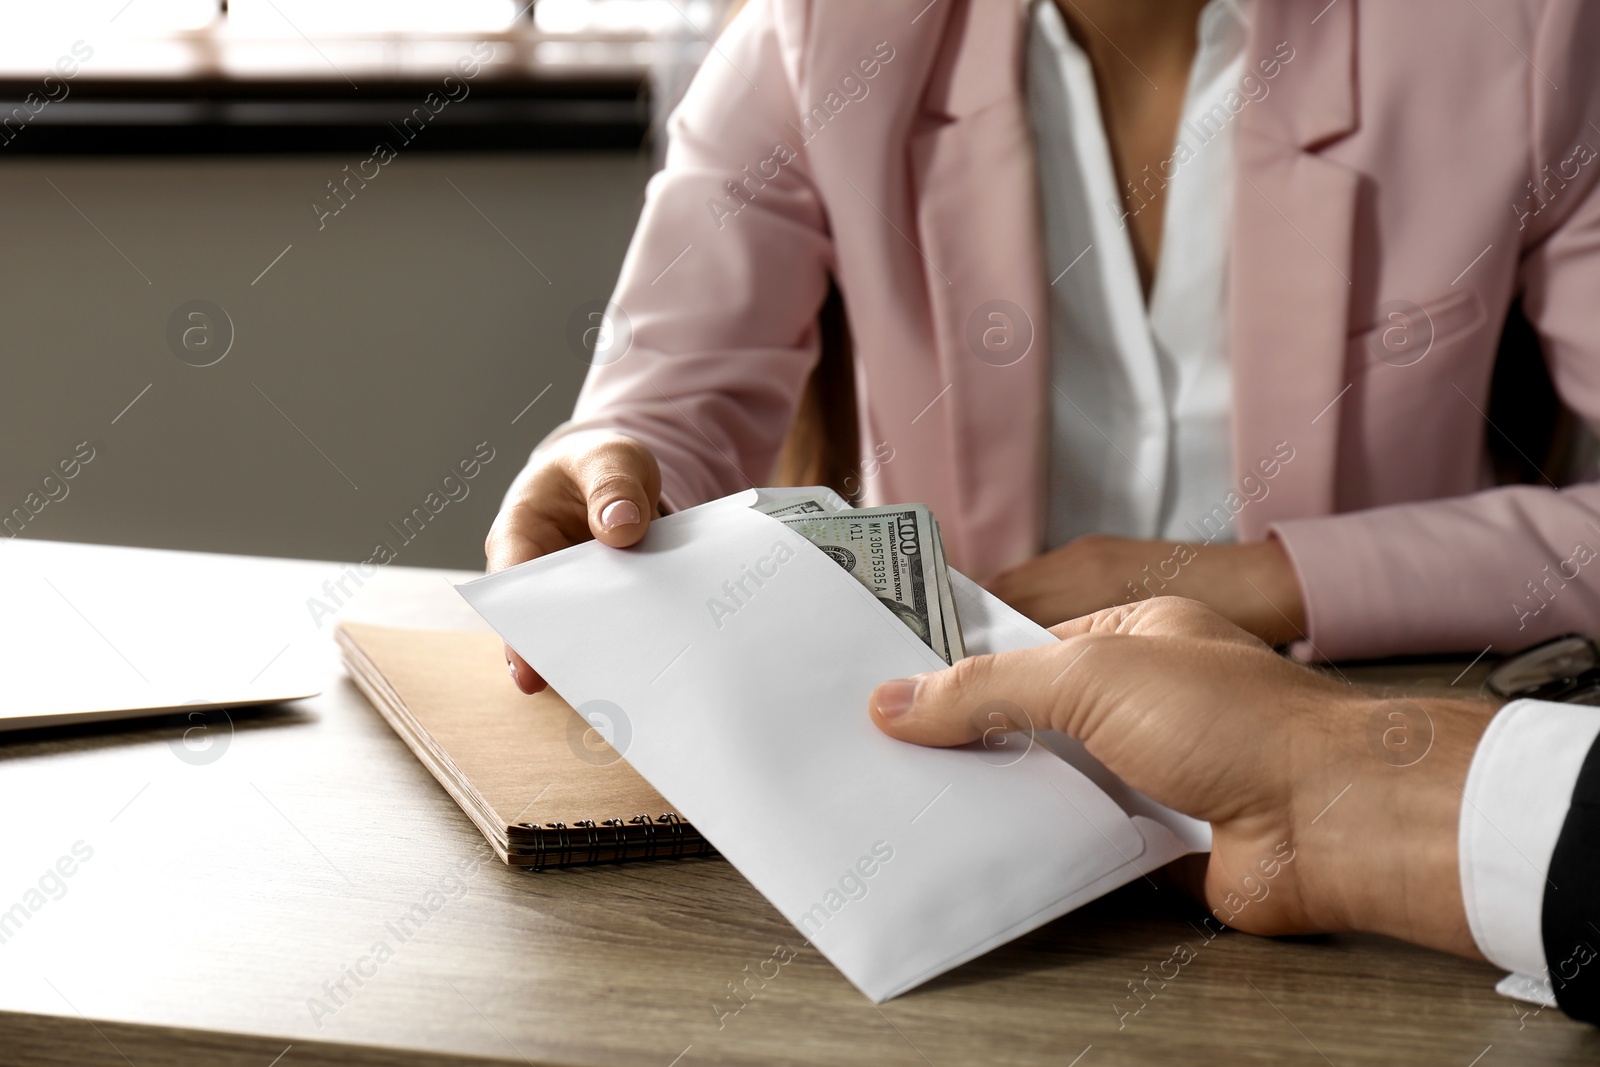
1381,852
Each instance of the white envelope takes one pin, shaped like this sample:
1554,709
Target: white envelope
897,862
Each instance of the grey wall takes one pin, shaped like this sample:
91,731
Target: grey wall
405,331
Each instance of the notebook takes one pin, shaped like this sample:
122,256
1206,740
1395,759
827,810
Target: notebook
535,779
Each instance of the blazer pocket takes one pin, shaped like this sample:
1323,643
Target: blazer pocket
1405,333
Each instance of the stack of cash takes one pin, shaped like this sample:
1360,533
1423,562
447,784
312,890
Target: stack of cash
896,552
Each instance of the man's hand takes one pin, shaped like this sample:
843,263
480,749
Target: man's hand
1254,585
589,485
1279,759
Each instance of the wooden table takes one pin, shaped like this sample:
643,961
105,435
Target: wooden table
223,903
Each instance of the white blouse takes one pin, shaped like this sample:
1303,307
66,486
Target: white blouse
1140,394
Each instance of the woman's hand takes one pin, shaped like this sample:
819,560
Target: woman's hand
588,485
1254,585
1279,759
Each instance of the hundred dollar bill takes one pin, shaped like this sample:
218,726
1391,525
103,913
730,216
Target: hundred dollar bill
896,552
947,600
782,509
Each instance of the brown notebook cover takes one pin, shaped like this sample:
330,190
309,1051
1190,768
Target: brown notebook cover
537,781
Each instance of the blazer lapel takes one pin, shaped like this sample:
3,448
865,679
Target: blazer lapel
978,227
1290,279
974,187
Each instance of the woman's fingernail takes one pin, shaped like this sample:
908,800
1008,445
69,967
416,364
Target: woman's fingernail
894,699
512,667
619,513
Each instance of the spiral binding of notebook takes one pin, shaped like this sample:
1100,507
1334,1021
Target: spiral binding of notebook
609,841
506,759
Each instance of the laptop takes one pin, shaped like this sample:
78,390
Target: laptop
91,635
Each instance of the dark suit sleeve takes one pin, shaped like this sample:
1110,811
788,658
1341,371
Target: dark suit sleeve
1571,917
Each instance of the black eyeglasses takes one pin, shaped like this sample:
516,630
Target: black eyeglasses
1565,668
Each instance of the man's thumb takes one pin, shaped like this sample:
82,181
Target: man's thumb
974,700
1050,687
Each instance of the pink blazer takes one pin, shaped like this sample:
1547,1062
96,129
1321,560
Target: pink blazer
1409,171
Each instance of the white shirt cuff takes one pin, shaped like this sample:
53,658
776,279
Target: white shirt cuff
1517,796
